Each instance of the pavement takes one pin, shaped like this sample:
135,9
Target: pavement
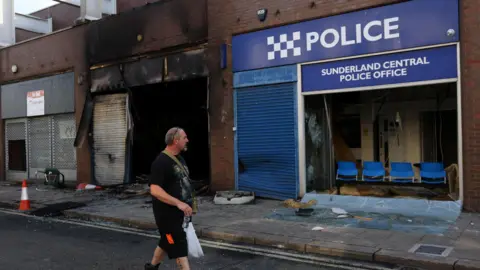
29,243
250,224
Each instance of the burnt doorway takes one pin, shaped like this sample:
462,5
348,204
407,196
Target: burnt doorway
157,108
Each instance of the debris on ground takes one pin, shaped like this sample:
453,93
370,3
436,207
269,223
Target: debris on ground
339,211
364,218
291,203
142,179
306,212
233,197
84,186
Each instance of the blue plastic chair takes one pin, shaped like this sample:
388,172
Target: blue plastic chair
373,171
432,173
402,172
347,171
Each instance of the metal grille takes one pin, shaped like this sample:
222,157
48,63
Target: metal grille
13,131
39,142
64,132
431,250
109,135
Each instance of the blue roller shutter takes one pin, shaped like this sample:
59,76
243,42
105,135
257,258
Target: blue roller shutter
266,137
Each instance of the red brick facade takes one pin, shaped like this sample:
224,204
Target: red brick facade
63,15
470,63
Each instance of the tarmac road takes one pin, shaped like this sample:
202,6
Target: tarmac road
33,243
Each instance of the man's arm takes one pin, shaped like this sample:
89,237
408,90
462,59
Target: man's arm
163,196
157,177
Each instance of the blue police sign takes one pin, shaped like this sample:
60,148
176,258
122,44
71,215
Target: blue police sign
405,25
413,66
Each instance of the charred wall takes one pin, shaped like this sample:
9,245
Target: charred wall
165,24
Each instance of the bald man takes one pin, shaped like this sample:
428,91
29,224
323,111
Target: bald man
172,200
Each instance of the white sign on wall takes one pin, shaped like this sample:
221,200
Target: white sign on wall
36,103
66,129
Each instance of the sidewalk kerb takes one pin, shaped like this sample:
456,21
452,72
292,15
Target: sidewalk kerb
412,260
467,265
119,221
341,250
282,242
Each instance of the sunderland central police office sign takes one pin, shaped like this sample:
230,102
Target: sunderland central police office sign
405,67
405,25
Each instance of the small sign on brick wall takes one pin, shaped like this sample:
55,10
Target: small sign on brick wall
36,103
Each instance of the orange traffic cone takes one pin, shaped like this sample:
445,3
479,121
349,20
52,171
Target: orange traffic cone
24,201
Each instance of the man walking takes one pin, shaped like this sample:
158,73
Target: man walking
172,200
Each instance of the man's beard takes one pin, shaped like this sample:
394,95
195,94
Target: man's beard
185,149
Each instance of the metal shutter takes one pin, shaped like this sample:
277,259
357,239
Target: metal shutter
64,153
266,121
109,135
39,144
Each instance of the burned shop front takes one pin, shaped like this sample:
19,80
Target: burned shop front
136,102
366,104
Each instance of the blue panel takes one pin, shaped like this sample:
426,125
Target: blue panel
265,76
235,140
413,66
266,140
405,25
223,56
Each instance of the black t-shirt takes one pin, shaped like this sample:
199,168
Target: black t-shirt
167,174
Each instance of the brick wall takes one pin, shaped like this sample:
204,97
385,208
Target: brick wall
164,25
63,15
21,35
470,63
58,52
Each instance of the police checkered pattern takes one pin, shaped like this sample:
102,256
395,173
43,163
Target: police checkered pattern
284,46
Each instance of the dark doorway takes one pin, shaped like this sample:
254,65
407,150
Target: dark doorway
17,157
165,105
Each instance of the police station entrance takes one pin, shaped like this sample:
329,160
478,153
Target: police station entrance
382,138
377,112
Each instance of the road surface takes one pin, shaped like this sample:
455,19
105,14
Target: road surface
32,243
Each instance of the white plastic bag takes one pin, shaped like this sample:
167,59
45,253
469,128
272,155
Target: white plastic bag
194,248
